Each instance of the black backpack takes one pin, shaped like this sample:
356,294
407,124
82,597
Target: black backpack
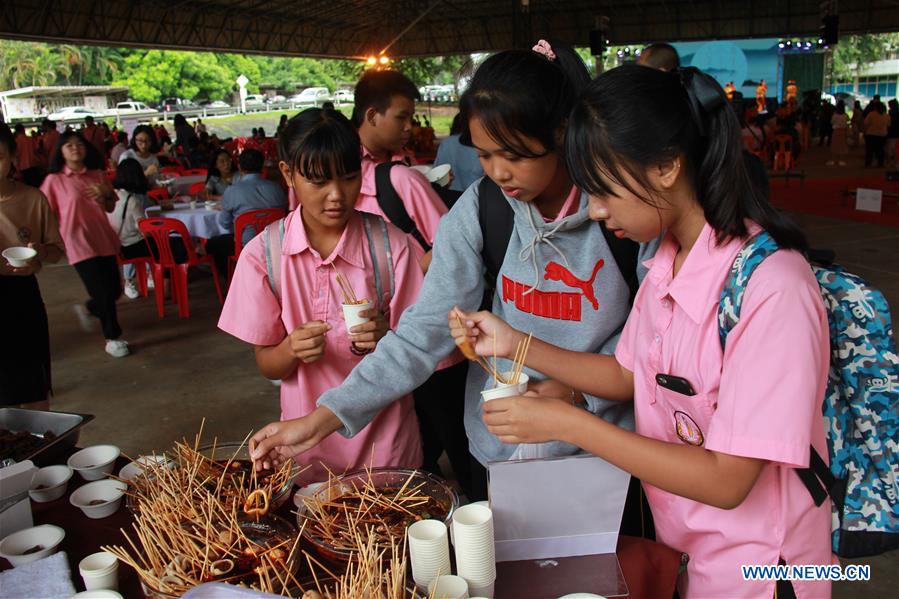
497,221
392,204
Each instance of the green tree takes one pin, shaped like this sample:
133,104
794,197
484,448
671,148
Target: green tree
436,70
855,52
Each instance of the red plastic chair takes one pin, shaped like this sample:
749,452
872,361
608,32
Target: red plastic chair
171,170
197,188
256,220
158,194
160,230
194,172
140,266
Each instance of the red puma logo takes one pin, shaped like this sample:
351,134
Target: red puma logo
557,272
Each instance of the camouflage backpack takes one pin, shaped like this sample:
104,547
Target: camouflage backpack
861,404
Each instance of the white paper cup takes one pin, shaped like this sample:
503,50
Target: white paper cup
440,175
351,314
209,204
474,544
448,587
428,551
504,390
100,571
193,204
482,591
19,256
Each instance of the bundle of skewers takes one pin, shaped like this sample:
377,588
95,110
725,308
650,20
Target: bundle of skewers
197,520
335,515
349,295
510,377
377,573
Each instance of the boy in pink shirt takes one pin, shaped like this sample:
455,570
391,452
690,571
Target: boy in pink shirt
719,430
295,318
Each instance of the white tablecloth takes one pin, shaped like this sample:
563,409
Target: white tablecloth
200,221
180,185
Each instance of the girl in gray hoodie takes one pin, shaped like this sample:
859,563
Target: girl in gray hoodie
558,277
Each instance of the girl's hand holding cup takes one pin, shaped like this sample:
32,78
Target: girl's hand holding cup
366,336
480,329
307,342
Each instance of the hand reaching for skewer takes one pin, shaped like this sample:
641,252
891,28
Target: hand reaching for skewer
479,329
366,336
279,441
307,341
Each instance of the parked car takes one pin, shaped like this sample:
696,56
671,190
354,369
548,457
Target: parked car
277,99
344,96
438,93
73,113
214,104
175,104
129,108
255,99
312,96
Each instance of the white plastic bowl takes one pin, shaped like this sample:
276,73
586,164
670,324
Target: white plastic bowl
19,256
94,463
46,536
137,467
54,481
99,499
440,175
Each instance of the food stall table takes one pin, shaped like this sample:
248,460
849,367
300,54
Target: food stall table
650,569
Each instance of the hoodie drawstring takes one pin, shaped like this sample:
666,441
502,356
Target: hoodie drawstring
539,237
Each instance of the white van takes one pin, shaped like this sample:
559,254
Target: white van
126,108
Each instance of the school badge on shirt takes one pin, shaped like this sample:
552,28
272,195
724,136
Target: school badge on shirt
687,429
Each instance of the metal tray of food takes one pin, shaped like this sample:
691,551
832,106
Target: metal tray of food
51,435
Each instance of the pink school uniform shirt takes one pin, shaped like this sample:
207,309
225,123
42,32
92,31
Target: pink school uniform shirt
83,224
310,292
760,398
421,201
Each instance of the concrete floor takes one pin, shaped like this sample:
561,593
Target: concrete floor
184,370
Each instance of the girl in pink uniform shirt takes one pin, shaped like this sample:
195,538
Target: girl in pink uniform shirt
81,197
301,337
660,151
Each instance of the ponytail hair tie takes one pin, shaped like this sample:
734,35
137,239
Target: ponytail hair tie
703,93
543,47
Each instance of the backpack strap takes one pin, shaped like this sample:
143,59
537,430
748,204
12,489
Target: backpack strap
272,237
392,204
381,257
817,478
497,222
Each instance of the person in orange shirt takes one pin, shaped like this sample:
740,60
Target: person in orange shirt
27,160
94,134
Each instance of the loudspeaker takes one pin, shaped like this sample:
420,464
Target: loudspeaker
597,43
830,28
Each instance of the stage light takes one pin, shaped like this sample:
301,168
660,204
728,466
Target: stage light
789,44
781,45
384,60
820,41
808,45
620,53
638,51
371,61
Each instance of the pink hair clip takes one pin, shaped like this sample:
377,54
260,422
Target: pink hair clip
543,47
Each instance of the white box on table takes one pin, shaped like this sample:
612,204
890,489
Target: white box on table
15,506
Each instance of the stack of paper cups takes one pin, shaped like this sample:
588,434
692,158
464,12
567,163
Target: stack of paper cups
475,553
428,551
100,571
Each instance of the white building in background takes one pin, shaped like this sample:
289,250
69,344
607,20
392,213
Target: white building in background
879,78
32,103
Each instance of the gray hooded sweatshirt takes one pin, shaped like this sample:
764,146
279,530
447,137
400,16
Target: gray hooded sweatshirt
558,281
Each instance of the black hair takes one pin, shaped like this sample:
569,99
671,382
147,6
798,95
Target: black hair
520,94
122,137
320,144
375,89
212,170
19,128
660,56
840,108
148,130
129,175
7,138
633,117
179,121
93,160
260,132
88,119
456,127
251,161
